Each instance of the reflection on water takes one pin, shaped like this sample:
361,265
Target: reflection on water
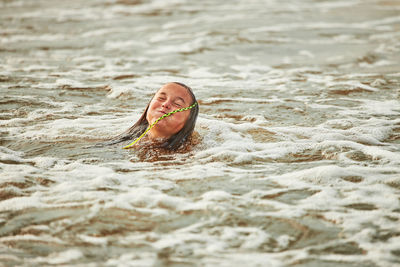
298,163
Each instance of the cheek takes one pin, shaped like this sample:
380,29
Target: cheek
153,105
151,110
181,118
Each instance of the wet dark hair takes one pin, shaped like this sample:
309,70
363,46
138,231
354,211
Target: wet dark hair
176,140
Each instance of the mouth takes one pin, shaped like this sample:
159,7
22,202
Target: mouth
162,111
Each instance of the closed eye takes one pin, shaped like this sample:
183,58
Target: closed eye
162,96
179,102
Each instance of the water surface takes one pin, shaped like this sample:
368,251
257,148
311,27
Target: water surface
299,163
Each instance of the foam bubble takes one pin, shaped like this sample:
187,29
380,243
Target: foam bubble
62,257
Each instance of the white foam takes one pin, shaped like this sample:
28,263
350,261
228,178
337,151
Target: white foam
298,152
27,38
110,45
94,240
146,198
216,196
116,92
133,259
29,237
353,85
63,257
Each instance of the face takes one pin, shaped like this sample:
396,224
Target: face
169,98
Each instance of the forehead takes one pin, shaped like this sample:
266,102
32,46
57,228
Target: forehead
175,90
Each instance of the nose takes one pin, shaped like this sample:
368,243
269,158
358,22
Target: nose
166,104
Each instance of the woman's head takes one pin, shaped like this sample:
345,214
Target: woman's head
172,131
168,98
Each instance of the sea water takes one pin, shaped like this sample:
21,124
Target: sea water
299,163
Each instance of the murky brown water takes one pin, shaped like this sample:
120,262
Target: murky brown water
299,119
